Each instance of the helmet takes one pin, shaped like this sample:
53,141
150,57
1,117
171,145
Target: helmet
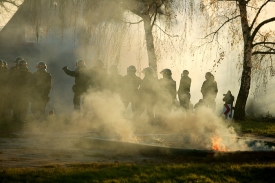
185,72
22,64
17,60
41,65
113,69
99,63
5,64
131,69
148,70
80,63
166,72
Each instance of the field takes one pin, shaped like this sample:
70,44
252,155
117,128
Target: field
99,167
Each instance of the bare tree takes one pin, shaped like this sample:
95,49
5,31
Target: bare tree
258,43
7,6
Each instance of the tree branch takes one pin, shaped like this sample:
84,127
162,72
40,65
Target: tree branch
264,43
215,32
133,22
257,15
263,53
165,32
260,25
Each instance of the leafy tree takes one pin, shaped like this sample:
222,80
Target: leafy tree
257,40
113,17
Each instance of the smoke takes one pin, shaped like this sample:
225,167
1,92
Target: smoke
104,115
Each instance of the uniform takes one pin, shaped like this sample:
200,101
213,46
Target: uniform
166,93
131,84
82,78
184,90
20,91
3,81
209,91
40,84
148,93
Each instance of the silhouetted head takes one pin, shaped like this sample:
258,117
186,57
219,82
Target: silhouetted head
185,73
166,73
148,71
1,64
5,64
80,63
208,75
17,60
41,66
131,70
23,64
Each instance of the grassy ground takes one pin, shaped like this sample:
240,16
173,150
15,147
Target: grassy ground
256,168
115,172
263,128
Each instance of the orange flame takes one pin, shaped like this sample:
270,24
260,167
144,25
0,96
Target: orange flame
217,145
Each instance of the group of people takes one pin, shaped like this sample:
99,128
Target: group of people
157,96
19,87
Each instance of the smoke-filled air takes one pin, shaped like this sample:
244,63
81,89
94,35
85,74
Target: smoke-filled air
130,71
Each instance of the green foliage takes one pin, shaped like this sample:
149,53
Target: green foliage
112,172
256,127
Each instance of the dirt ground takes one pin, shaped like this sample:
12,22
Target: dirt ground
44,149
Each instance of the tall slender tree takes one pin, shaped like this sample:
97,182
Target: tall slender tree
244,18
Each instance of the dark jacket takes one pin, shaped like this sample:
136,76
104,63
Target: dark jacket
41,83
18,82
185,84
82,77
168,89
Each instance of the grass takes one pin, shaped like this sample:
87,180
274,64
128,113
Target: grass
116,172
235,168
263,128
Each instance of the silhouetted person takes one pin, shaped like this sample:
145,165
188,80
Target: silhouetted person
184,90
166,93
114,80
81,76
209,90
40,83
3,81
20,91
148,93
98,77
9,93
131,84
228,98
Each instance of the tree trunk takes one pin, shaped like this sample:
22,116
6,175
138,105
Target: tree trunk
150,43
239,113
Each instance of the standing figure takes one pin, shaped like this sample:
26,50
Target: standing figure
82,78
184,90
209,91
9,93
148,93
114,80
98,77
131,84
229,99
20,91
167,92
40,84
3,81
